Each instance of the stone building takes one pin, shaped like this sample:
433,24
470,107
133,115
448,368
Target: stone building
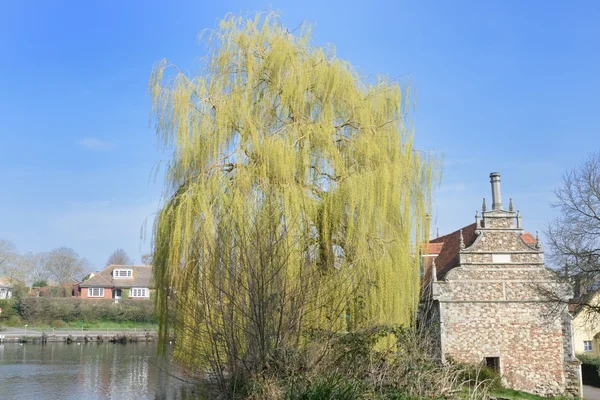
484,280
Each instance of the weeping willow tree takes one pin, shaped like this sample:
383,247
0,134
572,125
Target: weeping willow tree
295,197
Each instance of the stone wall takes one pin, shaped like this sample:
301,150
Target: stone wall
573,379
499,220
529,345
490,306
505,241
498,273
515,258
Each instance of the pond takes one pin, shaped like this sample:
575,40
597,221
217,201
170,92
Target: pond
87,371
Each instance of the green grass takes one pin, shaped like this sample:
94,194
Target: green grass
98,325
518,395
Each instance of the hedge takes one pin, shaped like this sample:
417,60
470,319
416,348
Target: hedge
9,308
46,310
590,369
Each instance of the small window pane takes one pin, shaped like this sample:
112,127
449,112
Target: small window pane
139,292
96,292
122,273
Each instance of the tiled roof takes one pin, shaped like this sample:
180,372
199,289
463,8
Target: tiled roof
434,248
141,277
528,238
447,248
448,256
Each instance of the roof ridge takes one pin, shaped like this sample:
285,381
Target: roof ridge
448,234
130,266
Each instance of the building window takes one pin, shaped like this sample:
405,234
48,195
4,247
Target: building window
140,292
587,345
493,363
96,292
122,273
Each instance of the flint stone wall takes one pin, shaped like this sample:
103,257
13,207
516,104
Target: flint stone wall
492,309
529,346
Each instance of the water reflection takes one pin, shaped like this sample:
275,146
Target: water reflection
87,371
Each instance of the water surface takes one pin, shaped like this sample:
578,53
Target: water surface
86,371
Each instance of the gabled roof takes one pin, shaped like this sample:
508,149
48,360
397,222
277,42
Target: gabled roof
450,246
141,277
447,248
528,238
434,248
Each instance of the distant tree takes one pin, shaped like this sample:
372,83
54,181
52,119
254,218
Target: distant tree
574,236
64,264
147,259
40,283
33,266
8,261
118,257
7,252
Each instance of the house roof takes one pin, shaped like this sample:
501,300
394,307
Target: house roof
434,248
141,277
6,281
588,298
528,238
447,248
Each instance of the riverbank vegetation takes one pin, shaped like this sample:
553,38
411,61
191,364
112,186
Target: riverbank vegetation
375,363
77,313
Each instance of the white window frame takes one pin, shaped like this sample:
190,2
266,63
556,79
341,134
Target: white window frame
588,346
139,292
91,292
117,273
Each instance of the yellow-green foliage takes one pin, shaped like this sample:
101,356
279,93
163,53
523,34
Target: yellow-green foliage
279,141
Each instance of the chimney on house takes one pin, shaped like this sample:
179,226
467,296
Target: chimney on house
496,196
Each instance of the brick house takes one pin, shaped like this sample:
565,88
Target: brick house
118,282
483,280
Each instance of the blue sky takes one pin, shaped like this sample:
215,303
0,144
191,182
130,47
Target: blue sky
507,86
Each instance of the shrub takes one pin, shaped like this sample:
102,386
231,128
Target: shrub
384,362
19,291
590,369
474,375
14,321
9,308
58,323
332,387
40,283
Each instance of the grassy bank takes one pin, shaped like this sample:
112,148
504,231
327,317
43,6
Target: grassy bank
95,325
